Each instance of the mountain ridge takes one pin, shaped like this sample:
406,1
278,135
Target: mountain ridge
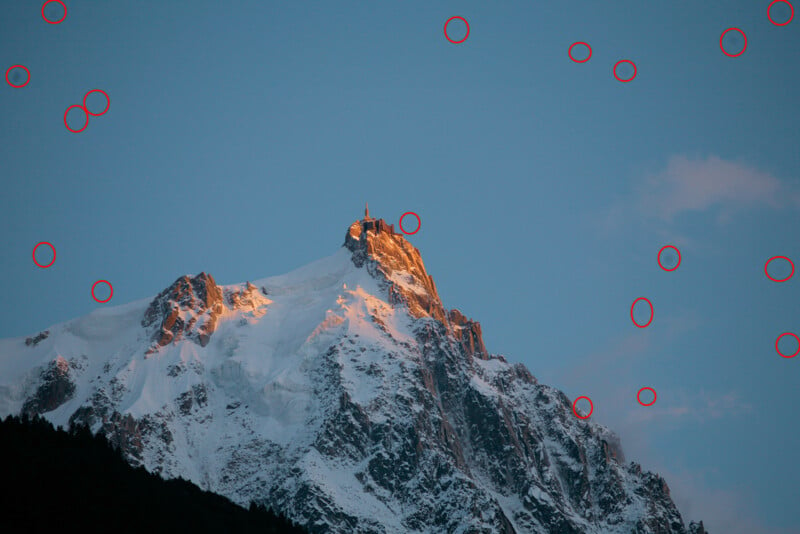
366,404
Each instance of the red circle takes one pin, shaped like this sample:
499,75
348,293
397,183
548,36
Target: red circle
651,312
34,254
87,118
111,291
659,257
59,20
770,7
419,223
96,91
640,400
775,258
569,52
624,61
445,30
788,334
723,49
26,70
576,412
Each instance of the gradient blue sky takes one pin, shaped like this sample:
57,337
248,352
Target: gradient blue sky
244,137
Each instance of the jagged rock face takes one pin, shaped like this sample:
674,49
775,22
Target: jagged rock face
54,388
391,258
468,333
356,403
192,306
189,307
375,243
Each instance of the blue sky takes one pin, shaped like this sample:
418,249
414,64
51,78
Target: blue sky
244,137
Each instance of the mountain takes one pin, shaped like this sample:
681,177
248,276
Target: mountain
56,480
343,394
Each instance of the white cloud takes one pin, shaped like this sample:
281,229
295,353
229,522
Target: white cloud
697,185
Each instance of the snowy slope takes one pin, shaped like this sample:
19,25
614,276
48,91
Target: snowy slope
342,393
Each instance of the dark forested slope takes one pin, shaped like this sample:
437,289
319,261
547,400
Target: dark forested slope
54,480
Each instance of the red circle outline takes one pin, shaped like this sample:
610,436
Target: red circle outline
59,21
569,52
96,91
26,70
788,334
419,223
775,2
445,30
654,396
624,61
87,118
576,411
723,48
652,312
111,291
34,254
659,257
766,265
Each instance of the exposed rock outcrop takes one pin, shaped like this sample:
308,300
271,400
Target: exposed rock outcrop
391,258
388,255
55,388
468,333
190,307
33,341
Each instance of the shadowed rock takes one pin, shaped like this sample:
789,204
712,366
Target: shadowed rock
33,341
55,388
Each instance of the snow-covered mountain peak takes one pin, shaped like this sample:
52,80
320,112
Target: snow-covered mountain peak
398,266
343,394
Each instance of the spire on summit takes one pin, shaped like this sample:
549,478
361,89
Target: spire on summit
366,212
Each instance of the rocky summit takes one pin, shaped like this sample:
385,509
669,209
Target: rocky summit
344,395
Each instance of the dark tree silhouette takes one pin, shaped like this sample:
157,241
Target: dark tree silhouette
55,480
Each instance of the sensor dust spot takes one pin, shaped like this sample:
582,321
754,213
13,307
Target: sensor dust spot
76,118
641,312
669,258
18,76
44,254
102,288
780,271
583,407
733,42
646,396
410,224
580,52
455,28
100,100
788,345
54,11
780,12
624,70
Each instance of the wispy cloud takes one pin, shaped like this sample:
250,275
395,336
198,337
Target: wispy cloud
616,355
698,185
725,511
698,406
615,359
